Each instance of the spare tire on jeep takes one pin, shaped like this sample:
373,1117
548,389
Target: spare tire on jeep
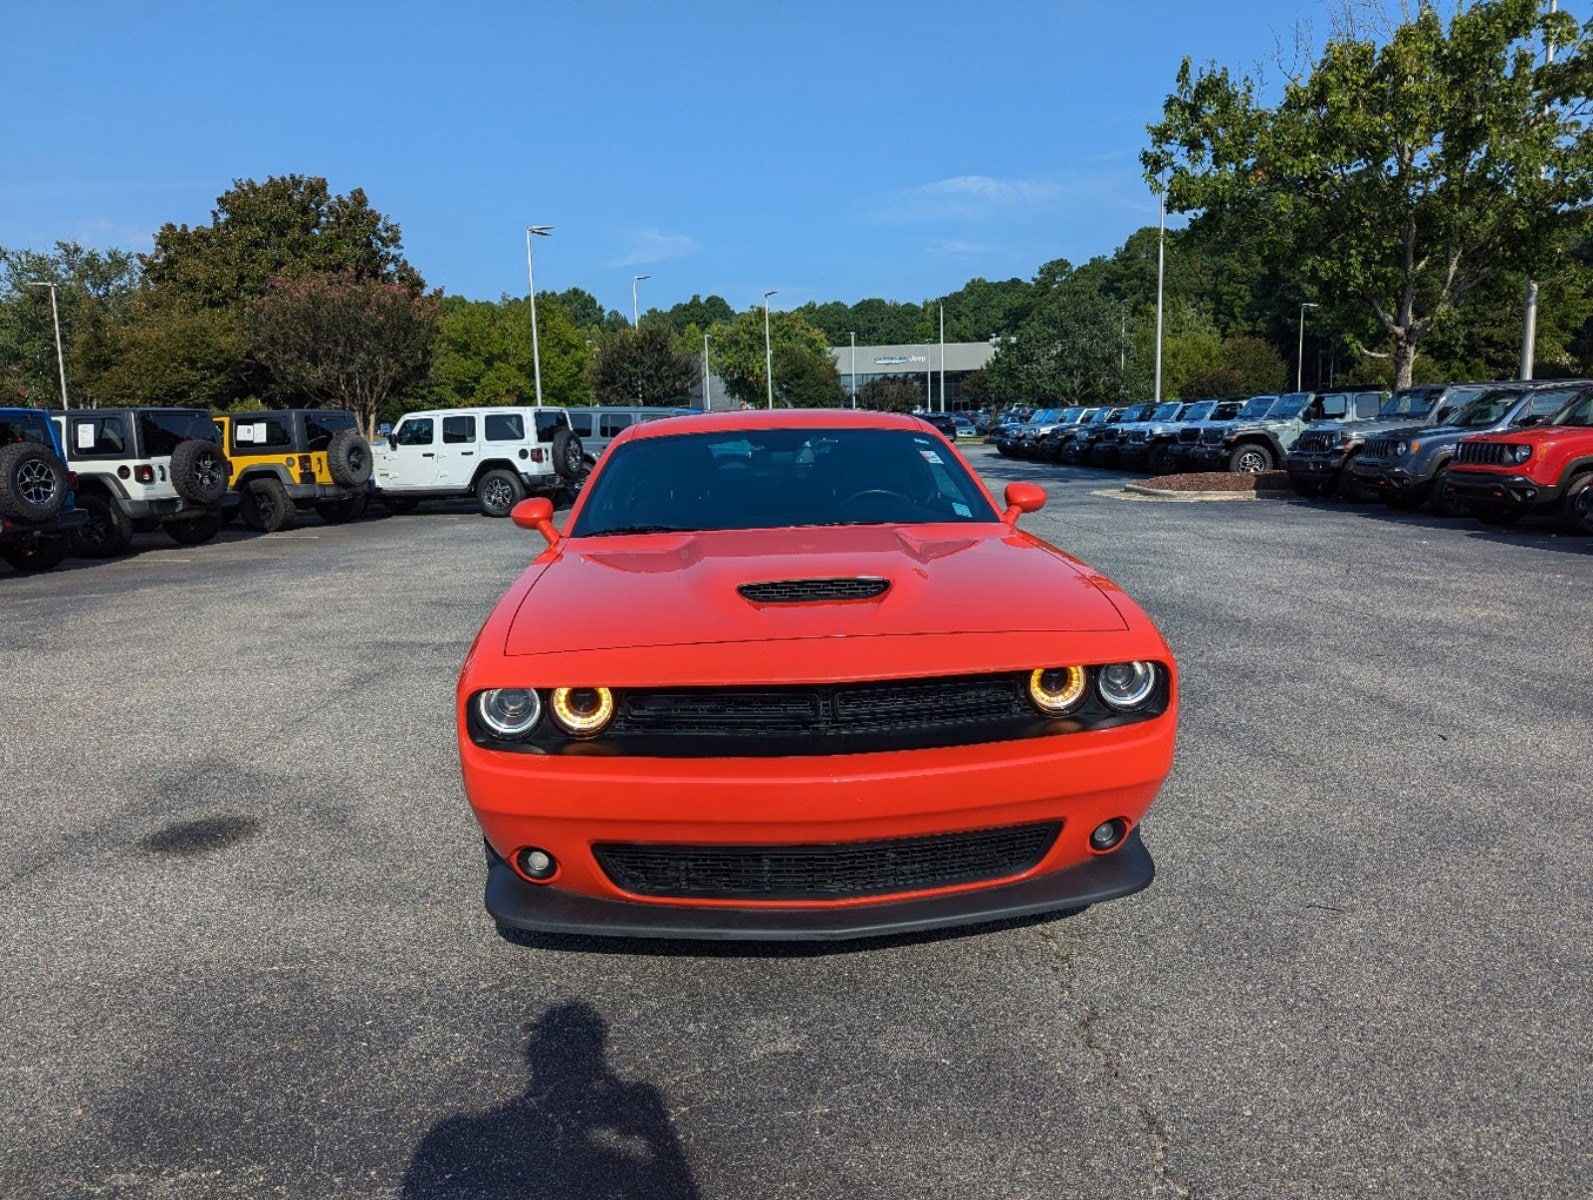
199,471
569,459
32,482
348,458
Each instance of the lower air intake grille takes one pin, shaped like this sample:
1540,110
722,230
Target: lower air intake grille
833,871
806,591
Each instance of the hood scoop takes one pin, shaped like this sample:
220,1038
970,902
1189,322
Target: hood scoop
810,591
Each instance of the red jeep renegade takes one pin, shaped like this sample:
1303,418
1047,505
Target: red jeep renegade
1504,476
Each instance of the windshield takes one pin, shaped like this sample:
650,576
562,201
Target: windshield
1070,415
1165,412
1287,407
1199,412
1578,412
777,478
1412,402
1487,409
1256,407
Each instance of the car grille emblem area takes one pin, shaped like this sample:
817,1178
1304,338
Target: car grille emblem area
811,591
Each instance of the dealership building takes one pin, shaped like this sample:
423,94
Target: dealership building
921,363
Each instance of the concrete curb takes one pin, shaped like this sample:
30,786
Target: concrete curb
1140,491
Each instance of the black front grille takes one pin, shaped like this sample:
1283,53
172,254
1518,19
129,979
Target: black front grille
1189,436
1213,436
817,712
1315,443
807,591
1134,435
1487,453
832,871
1380,448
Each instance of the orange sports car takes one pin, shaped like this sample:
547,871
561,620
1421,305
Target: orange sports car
792,675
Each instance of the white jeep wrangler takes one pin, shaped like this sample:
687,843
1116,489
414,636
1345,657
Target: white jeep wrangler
139,468
498,455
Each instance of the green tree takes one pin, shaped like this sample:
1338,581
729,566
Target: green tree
1400,176
1245,366
94,291
642,366
890,393
738,350
698,312
483,354
172,355
806,379
345,341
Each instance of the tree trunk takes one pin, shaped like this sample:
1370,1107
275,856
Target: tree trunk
1404,360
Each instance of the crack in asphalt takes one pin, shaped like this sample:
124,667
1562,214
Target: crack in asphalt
1135,1103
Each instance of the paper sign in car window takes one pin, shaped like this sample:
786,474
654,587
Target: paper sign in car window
85,435
931,457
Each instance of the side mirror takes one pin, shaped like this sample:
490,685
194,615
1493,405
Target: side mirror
1023,498
392,442
1528,420
536,513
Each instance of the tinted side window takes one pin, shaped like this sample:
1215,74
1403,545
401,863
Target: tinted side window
458,429
612,423
503,427
1550,400
98,437
1367,404
414,432
160,433
581,423
320,427
549,423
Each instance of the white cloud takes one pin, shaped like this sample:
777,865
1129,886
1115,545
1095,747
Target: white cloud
970,197
654,246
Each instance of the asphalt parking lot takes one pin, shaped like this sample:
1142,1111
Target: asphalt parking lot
245,953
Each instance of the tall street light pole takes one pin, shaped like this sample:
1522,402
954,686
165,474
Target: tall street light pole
1299,359
55,315
636,319
1529,316
531,291
942,358
768,347
852,333
1161,271
707,396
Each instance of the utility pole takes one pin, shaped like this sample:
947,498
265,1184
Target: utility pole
531,285
942,358
636,320
768,347
1529,318
1161,270
852,333
1299,355
707,398
60,357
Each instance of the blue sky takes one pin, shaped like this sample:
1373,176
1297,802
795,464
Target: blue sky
832,151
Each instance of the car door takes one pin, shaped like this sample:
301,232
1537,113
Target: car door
456,452
411,461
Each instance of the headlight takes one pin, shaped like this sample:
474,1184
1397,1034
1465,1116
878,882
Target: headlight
582,712
1404,448
1521,453
1126,685
509,712
1057,691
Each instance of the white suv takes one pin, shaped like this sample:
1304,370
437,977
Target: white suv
498,455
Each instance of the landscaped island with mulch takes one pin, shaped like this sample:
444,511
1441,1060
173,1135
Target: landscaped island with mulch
1267,483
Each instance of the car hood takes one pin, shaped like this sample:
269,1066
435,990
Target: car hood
678,589
1532,435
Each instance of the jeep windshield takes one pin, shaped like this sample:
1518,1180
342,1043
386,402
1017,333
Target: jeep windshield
1256,407
1164,412
779,478
1199,412
1287,408
1412,402
1578,412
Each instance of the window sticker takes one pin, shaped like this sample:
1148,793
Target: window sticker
962,510
244,434
85,435
931,457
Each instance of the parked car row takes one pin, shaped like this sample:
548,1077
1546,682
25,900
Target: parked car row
1496,450
84,481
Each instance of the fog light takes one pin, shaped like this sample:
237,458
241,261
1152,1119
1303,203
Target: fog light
1108,834
536,864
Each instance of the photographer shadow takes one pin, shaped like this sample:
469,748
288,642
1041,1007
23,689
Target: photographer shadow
575,1131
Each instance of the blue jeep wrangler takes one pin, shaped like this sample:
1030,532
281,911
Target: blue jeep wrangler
36,505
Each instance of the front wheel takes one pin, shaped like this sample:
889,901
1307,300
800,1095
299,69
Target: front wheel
1442,502
497,492
1160,461
32,555
1250,459
195,531
1576,507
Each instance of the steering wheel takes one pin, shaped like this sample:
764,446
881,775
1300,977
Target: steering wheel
867,492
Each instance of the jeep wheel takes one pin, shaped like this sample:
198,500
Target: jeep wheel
341,512
1576,507
348,458
1441,501
1160,461
1250,459
35,554
194,531
569,459
32,482
398,505
498,492
199,471
107,532
266,506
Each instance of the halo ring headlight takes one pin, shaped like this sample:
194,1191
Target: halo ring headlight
582,712
1125,686
509,712
1057,691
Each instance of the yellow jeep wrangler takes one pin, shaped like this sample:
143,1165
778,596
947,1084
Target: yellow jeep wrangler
284,459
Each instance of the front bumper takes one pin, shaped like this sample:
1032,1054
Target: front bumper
1203,455
1501,490
1314,464
540,908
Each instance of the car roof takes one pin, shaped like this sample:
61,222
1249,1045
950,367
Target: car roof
780,418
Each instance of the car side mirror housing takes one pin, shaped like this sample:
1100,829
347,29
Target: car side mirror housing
536,513
1528,420
1023,498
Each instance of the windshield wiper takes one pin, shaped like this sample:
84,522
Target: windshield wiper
621,529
